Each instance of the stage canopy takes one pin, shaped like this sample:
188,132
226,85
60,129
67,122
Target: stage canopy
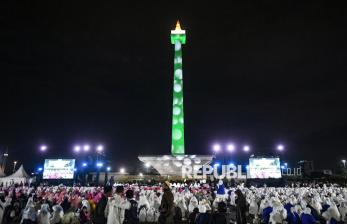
18,177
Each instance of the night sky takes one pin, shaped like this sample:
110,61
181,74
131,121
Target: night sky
261,73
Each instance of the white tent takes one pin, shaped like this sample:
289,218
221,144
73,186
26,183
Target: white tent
18,177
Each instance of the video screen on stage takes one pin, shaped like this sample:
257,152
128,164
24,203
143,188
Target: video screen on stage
264,168
58,169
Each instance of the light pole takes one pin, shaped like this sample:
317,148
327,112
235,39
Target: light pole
14,166
84,165
147,165
98,165
108,169
75,175
3,162
230,148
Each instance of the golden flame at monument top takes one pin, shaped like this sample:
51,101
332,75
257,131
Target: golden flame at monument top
178,25
178,29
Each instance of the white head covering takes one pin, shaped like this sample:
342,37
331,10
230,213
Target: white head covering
202,208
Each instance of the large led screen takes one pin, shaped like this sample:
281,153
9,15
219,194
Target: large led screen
264,168
59,169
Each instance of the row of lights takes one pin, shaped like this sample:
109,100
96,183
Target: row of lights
77,148
231,147
86,148
100,164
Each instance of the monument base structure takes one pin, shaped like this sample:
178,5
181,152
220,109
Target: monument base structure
172,165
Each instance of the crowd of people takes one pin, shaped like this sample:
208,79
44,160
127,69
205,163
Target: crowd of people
173,203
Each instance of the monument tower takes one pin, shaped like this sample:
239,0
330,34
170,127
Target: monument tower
178,38
172,164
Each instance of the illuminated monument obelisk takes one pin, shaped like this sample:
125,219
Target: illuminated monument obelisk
178,38
172,164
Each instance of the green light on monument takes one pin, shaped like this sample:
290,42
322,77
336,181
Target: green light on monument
178,38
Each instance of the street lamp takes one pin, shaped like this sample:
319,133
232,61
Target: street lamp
280,147
86,148
108,168
14,166
77,148
99,148
140,174
230,147
84,164
122,170
147,165
246,148
99,164
216,147
43,148
344,163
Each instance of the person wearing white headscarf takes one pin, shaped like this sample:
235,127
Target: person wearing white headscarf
231,196
332,215
253,207
29,213
85,203
150,216
57,214
116,207
343,211
278,214
182,205
43,214
192,204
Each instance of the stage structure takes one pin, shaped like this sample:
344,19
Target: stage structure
172,164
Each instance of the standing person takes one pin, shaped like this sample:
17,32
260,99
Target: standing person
241,207
220,216
43,215
116,207
131,216
192,216
29,213
84,216
167,205
204,217
99,215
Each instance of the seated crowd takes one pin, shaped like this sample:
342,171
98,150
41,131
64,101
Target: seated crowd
173,203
